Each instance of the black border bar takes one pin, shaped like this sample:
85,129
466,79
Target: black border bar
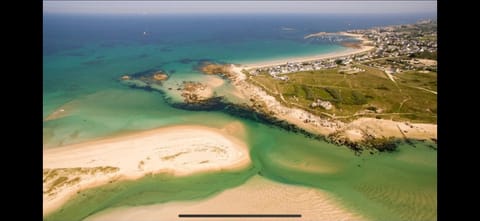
239,215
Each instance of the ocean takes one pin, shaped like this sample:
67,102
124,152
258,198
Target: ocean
84,55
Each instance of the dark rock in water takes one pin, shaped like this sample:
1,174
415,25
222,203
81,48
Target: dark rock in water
151,76
172,71
144,73
369,142
210,104
410,142
146,87
388,144
198,62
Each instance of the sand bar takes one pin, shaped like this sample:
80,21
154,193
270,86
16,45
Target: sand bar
257,196
178,150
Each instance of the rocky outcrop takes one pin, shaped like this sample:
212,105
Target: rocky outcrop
160,76
217,69
194,92
145,78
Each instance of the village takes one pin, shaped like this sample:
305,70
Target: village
396,48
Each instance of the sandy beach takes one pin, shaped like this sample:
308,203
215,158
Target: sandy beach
257,196
178,150
346,52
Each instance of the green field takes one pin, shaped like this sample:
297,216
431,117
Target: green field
370,93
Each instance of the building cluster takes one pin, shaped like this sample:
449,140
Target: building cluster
291,67
392,43
401,40
324,104
397,65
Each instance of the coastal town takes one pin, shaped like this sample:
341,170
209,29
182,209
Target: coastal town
394,49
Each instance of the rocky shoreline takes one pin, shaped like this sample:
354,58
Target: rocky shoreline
200,97
361,134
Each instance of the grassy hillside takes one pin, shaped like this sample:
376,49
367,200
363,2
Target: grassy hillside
370,93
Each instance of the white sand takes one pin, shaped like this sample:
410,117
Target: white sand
213,81
256,196
346,52
179,150
390,128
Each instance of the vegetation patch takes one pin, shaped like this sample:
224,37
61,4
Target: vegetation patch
411,97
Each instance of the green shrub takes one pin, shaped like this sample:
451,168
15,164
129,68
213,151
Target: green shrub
335,94
358,98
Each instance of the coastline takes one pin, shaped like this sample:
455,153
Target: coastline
176,150
349,51
356,131
257,194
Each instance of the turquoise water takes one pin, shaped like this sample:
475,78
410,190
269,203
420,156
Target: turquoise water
85,78
85,56
394,186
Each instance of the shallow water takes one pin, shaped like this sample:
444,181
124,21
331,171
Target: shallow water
400,185
83,61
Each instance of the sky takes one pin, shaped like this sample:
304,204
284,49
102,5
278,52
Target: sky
210,7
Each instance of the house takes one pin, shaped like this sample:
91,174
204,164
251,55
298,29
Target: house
324,104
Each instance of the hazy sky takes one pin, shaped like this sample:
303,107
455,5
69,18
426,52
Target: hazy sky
164,7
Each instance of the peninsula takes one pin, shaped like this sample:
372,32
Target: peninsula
362,95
